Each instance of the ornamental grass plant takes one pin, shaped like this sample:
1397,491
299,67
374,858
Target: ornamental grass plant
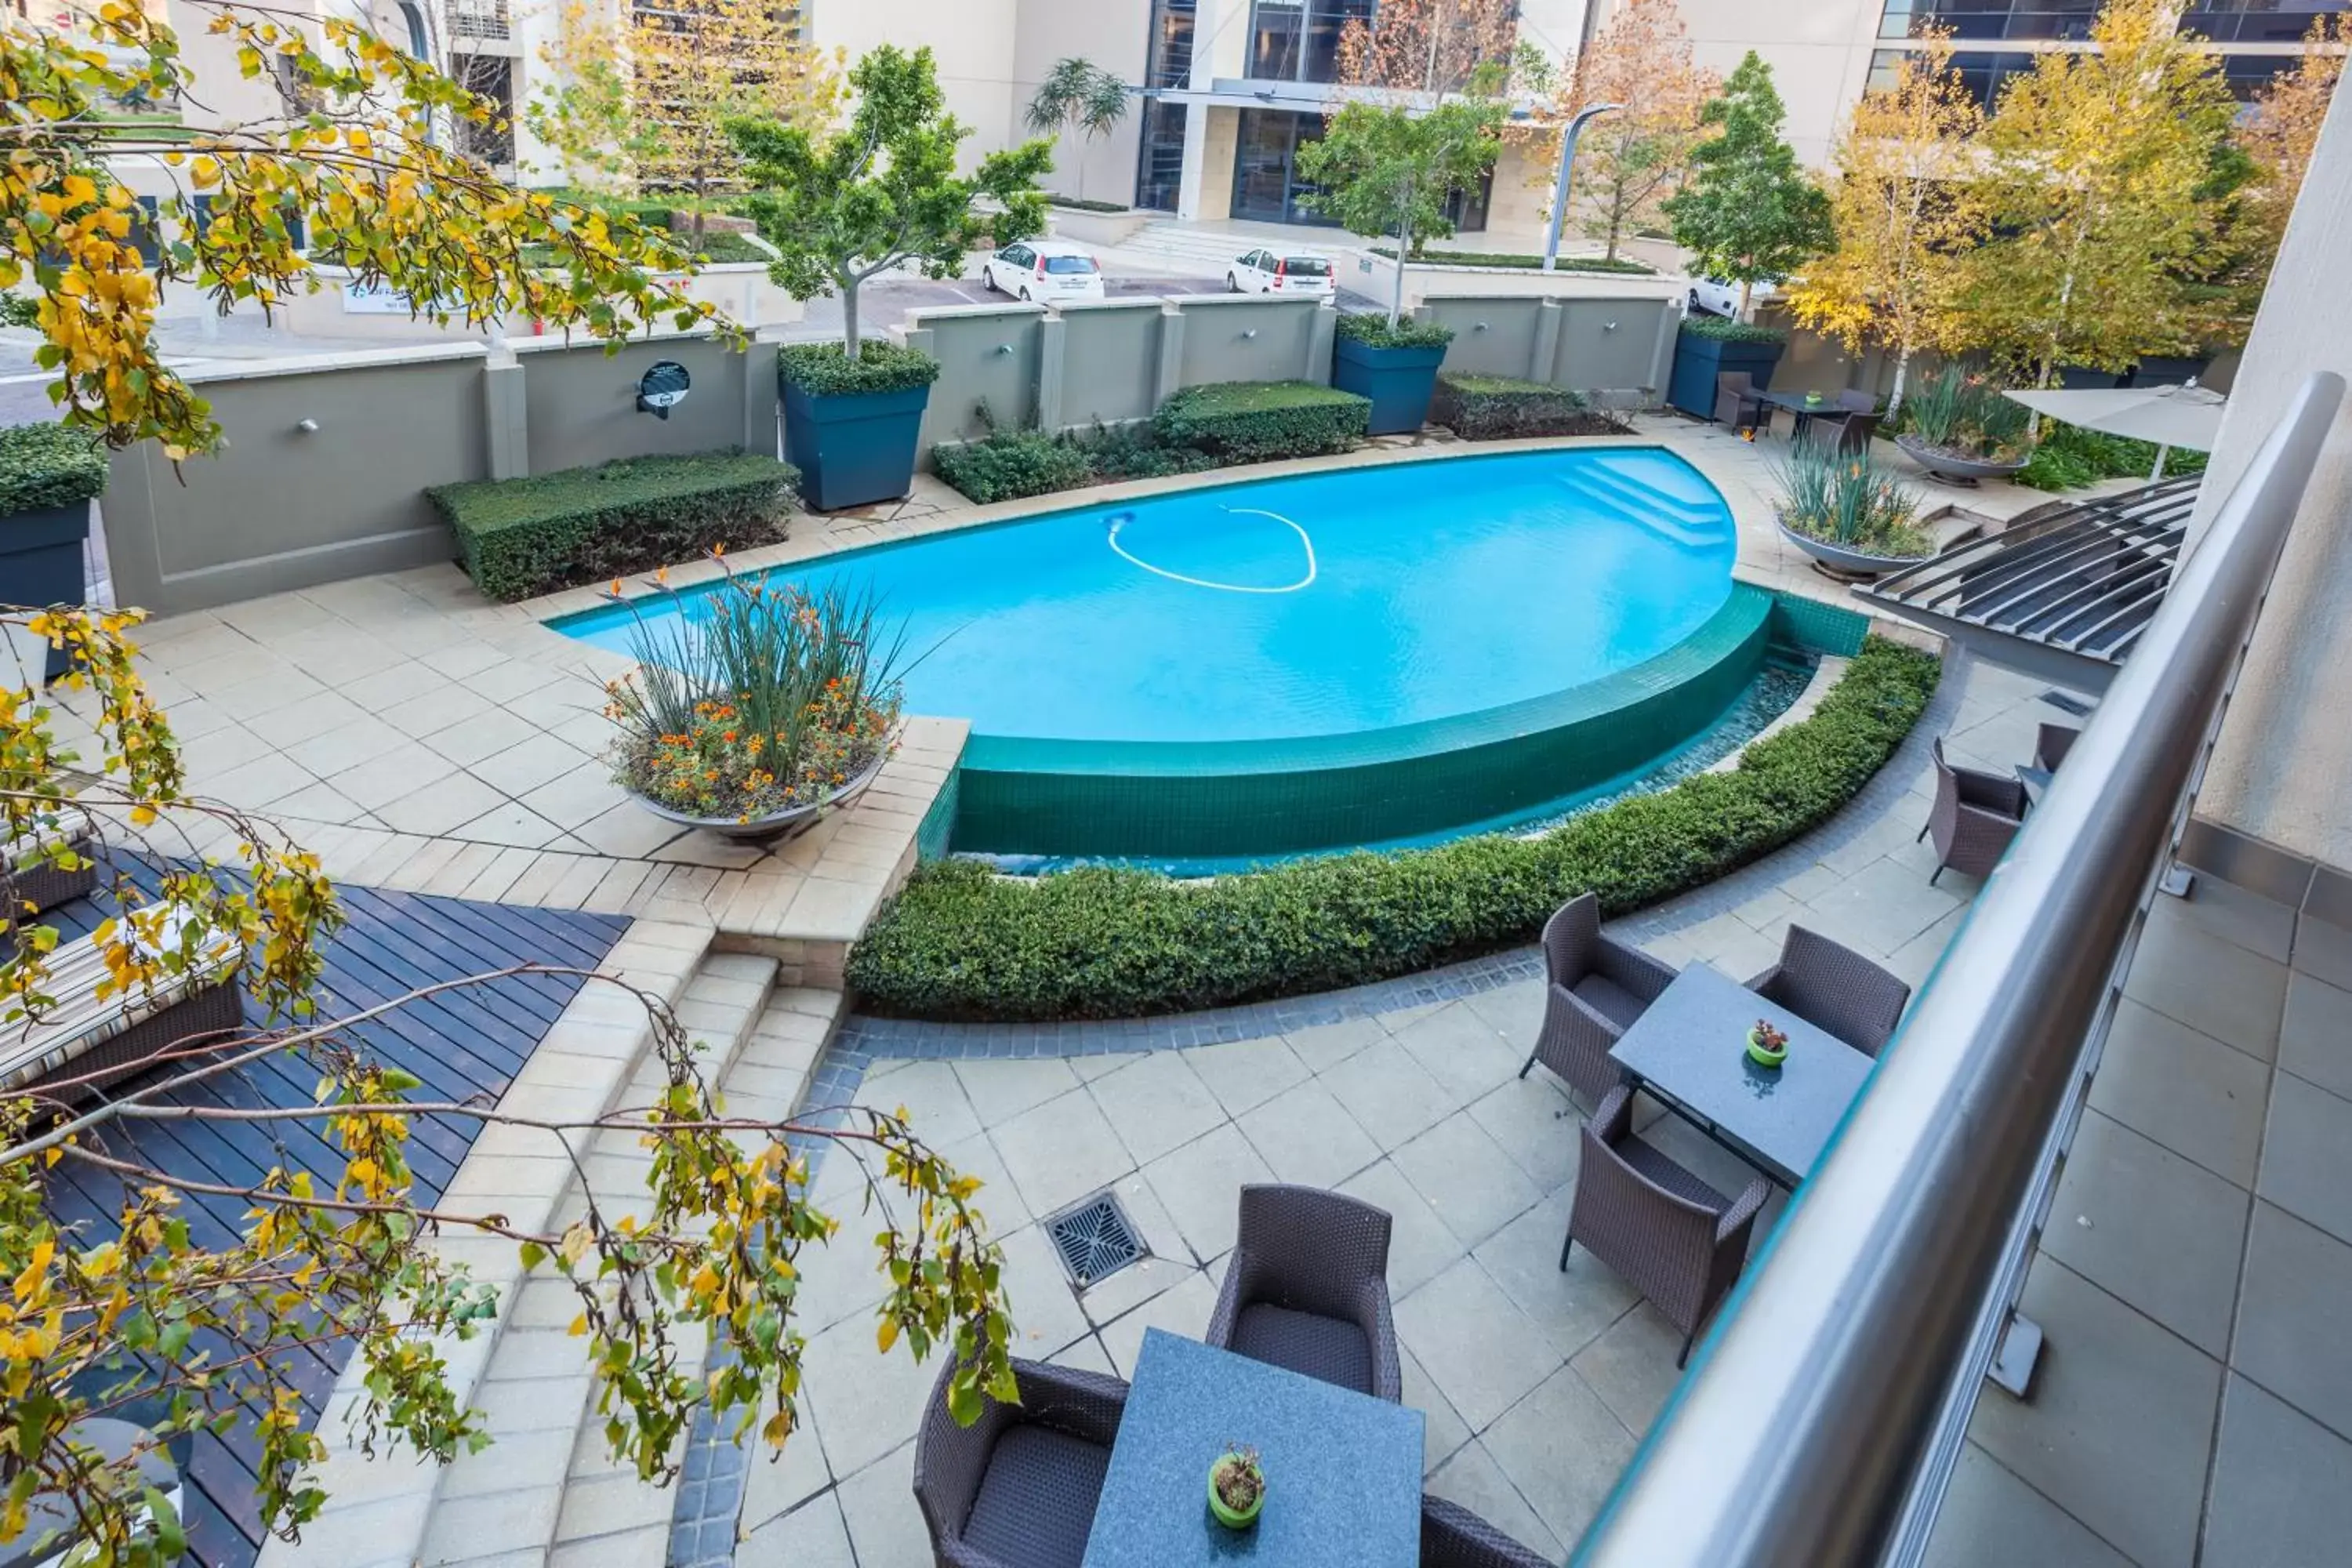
1966,416
1839,498
767,698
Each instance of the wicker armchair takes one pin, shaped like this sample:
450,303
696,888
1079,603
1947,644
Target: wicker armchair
1857,401
1738,403
1834,988
2050,744
1975,815
1307,1289
1671,1237
1454,1537
28,879
1853,433
1017,1488
1595,987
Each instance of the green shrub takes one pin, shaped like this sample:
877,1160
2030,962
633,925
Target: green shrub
520,537
1005,465
1371,329
959,942
823,369
42,466
2069,458
1084,204
1842,499
1496,408
19,310
1723,328
1625,263
1251,421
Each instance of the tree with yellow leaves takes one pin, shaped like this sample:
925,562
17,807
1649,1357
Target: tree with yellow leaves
1627,162
2288,111
2100,181
1904,236
348,166
200,1326
645,100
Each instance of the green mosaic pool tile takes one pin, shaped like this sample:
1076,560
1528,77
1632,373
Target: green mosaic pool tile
933,834
1278,798
1811,626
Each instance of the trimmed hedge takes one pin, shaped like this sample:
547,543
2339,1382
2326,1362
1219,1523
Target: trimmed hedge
825,369
1498,408
1625,263
520,537
959,942
1084,204
1006,464
1371,329
44,466
1723,328
1251,421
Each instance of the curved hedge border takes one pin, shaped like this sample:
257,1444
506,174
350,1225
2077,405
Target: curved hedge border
959,942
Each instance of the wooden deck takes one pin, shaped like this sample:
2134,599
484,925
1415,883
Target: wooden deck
463,1045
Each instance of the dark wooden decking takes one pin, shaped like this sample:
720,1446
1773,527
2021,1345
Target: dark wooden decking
463,1045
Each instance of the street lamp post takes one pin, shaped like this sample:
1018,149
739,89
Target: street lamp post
1559,186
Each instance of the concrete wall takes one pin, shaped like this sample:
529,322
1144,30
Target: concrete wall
987,353
1114,36
1818,51
1618,345
1243,337
2283,771
1110,361
975,41
742,290
281,507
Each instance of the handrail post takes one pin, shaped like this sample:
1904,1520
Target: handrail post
1833,1375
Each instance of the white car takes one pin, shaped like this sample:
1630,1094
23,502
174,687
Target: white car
1044,271
1282,272
1713,297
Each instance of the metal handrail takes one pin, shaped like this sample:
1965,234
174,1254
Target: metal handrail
1820,1422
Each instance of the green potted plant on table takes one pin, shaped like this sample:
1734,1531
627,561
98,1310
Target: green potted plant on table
756,716
1236,1487
881,192
49,475
1960,429
1767,1046
1852,519
1393,363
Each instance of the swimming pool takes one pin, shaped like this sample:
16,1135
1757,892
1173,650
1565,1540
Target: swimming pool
1347,657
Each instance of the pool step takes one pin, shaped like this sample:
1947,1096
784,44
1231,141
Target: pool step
1681,520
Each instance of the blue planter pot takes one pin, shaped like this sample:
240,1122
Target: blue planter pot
853,447
1399,381
41,564
1698,360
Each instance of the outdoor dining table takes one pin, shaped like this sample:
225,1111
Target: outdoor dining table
1804,406
1342,1468
1689,1050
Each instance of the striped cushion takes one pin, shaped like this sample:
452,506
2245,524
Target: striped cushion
65,825
31,1050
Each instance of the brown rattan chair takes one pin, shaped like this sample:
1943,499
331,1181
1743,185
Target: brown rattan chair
1739,405
1853,434
2050,744
1595,986
1454,1537
1669,1234
1017,1488
30,882
1975,815
1307,1289
1832,987
1856,401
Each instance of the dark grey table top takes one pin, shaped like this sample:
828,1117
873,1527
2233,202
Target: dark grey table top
1822,403
1342,1469
1691,1046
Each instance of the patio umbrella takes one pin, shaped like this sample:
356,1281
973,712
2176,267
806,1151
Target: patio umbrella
2188,416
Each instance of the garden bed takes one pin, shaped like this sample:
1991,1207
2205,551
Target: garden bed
1500,408
962,943
1512,261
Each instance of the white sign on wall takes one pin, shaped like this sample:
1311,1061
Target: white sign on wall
374,300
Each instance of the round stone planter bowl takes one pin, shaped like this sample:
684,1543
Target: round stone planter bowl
1954,468
788,823
1845,563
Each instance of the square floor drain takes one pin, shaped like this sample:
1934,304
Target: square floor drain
1095,1239
2068,704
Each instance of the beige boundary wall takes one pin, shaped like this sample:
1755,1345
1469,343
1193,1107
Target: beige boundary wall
328,458
1619,347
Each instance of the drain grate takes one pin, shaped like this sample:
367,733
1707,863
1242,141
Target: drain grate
2068,704
1095,1239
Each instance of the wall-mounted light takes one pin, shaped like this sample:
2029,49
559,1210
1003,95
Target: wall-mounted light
1250,333
307,427
662,388
1479,327
1004,348
1610,327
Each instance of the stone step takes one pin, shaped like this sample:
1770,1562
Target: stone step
609,1517
517,1495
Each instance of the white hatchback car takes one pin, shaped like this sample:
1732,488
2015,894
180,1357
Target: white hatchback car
1044,271
1282,272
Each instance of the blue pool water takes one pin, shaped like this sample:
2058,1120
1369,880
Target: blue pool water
1320,604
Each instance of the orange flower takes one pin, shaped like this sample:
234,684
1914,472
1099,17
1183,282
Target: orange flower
615,589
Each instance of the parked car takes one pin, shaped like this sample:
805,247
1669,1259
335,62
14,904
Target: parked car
1265,271
1044,271
1713,297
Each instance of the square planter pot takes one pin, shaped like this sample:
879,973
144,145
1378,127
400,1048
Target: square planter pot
1698,360
41,563
1399,381
853,447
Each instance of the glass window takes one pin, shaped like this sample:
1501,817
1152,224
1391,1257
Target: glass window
1306,266
1299,40
1070,265
2223,21
1160,158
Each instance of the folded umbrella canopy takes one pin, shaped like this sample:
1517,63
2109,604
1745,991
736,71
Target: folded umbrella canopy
2170,417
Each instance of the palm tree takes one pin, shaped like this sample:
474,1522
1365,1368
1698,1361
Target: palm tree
1078,95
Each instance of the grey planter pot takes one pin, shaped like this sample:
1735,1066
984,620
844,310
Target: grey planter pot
853,447
1840,562
1399,381
1952,465
784,823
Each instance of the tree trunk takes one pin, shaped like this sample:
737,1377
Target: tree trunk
1746,289
849,316
1396,295
1902,366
